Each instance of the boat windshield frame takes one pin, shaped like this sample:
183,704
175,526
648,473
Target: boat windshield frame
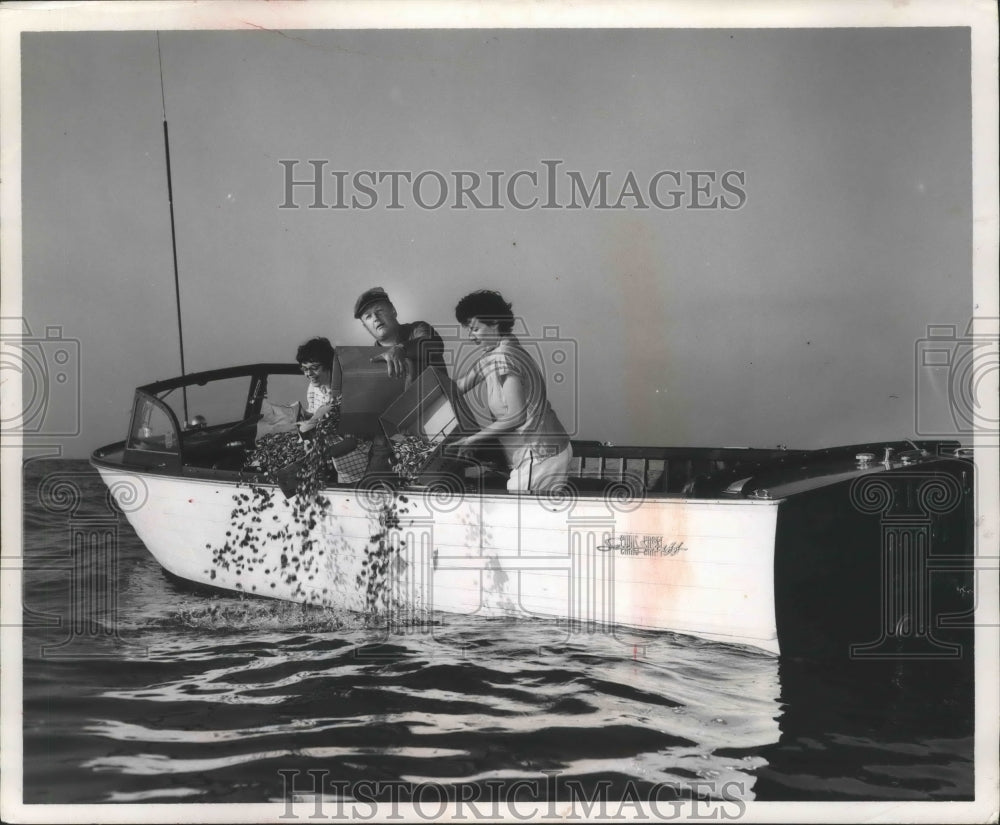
166,450
201,378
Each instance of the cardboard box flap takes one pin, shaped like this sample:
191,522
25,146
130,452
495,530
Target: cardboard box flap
367,390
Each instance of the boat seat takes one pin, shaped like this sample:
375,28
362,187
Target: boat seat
591,484
224,448
218,456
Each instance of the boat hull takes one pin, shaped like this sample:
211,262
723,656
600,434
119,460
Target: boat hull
692,566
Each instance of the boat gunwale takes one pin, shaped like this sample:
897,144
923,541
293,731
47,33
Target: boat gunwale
235,479
762,475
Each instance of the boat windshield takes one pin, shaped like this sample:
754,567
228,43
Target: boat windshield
154,428
202,406
205,419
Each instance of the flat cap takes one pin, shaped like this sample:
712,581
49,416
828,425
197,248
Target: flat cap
369,297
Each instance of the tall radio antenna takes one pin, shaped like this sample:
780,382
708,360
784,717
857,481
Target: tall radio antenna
173,233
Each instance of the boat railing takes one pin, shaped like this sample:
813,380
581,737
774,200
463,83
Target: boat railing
666,470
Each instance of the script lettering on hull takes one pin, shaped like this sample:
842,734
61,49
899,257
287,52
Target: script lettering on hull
638,544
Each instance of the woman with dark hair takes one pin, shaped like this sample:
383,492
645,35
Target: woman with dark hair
318,362
533,438
300,456
349,456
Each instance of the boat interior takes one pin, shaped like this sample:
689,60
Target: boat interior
206,424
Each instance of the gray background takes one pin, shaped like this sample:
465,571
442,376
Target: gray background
792,320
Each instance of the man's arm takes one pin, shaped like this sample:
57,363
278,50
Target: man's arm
425,346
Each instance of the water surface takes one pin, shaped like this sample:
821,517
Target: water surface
139,690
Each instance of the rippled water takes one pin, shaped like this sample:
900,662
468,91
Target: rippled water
181,696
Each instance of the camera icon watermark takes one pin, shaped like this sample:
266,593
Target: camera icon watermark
554,354
48,369
955,383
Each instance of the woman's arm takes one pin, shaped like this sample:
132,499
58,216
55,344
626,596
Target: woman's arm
321,412
513,395
472,376
311,422
466,382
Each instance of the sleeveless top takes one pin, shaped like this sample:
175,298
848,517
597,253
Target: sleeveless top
541,434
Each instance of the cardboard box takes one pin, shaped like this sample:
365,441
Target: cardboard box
430,408
367,390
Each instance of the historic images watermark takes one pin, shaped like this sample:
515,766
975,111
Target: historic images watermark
310,184
47,367
916,510
955,375
88,562
954,382
580,597
555,354
313,794
423,559
926,519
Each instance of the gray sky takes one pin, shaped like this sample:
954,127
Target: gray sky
792,319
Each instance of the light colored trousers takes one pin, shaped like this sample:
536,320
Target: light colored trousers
539,475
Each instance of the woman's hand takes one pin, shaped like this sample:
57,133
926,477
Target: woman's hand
463,447
310,423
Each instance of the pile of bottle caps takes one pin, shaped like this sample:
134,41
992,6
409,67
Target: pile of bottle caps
410,455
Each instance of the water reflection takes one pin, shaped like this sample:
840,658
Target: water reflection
457,706
882,729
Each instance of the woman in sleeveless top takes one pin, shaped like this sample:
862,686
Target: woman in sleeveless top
534,441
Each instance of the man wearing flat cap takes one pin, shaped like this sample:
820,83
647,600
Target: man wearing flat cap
409,348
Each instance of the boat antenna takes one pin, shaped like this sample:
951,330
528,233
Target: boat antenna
173,233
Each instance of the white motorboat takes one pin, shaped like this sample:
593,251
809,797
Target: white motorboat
857,550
